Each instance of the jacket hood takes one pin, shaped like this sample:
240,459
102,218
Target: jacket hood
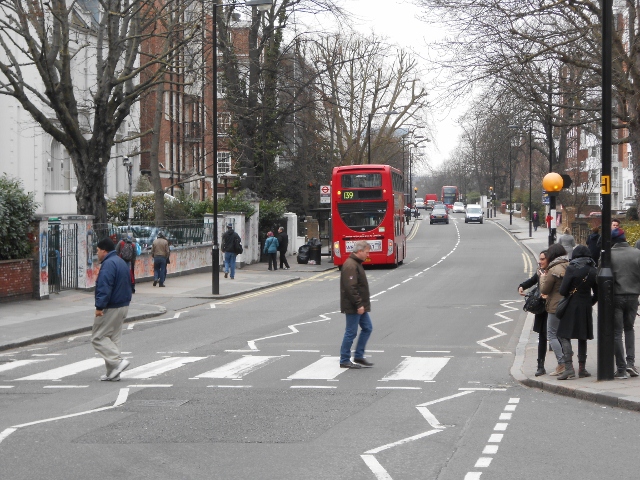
558,261
582,262
581,251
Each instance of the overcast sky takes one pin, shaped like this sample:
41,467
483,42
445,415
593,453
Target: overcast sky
398,21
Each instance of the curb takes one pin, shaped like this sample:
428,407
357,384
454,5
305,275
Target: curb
54,336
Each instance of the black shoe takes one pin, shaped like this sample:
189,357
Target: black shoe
363,362
620,374
632,371
355,366
226,274
155,282
162,284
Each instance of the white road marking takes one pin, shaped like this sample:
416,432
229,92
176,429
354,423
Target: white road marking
505,416
310,386
323,318
496,437
485,389
6,386
122,397
20,363
514,400
394,286
407,280
483,462
433,351
46,354
159,367
326,368
404,440
500,333
398,388
151,385
510,408
67,370
156,320
65,386
379,293
309,351
212,305
240,367
6,432
501,427
228,386
490,450
417,368
473,476
375,467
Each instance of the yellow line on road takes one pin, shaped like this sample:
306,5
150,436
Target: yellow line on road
416,226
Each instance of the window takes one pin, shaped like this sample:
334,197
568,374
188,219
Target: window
594,199
59,168
224,123
222,85
362,180
224,162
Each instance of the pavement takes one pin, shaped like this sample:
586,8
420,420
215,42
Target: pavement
614,393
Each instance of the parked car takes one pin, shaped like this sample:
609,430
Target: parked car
474,214
145,235
458,207
439,214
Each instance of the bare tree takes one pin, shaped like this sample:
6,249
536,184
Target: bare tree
44,44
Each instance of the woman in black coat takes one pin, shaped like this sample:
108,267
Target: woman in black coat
540,320
577,322
594,244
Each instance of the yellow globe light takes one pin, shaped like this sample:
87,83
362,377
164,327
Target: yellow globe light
552,182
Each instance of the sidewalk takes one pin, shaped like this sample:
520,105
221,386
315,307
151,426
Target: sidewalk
71,312
614,393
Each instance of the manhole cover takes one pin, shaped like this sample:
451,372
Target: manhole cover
159,403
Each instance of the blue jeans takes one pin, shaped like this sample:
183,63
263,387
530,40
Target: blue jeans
353,320
159,269
230,263
624,318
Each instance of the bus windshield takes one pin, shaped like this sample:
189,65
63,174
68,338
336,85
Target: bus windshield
362,180
362,216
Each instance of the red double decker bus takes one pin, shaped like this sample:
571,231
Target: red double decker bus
368,204
450,196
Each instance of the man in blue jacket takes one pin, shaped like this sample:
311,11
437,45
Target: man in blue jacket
112,298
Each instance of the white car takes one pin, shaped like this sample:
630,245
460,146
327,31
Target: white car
458,207
474,214
419,204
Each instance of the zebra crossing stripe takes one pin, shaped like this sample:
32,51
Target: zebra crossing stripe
158,367
327,368
417,368
20,363
67,370
240,367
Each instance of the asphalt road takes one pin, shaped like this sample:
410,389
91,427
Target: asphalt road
249,388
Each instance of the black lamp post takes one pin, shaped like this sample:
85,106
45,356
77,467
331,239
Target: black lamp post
261,5
128,164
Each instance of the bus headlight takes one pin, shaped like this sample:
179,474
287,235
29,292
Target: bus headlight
390,247
336,249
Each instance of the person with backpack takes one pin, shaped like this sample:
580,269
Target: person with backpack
271,249
127,249
231,247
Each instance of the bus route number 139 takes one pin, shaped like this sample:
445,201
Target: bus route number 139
348,195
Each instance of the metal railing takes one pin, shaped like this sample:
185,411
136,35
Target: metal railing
178,232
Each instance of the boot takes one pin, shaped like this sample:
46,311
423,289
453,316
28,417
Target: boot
540,370
568,373
582,371
558,371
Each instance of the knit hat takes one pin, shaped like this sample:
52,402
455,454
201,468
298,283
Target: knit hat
106,244
617,236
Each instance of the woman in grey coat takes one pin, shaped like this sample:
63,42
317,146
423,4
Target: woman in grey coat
567,241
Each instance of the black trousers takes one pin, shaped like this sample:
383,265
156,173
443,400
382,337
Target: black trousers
273,260
542,342
283,260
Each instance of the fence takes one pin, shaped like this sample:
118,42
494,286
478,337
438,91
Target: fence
178,233
63,257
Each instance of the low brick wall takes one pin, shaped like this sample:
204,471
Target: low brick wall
15,280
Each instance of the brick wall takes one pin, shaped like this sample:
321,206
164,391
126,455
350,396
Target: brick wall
15,280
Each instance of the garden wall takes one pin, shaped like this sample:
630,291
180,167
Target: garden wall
16,280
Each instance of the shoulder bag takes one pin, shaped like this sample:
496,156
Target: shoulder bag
561,309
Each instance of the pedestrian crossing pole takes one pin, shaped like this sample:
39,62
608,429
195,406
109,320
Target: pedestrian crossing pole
606,364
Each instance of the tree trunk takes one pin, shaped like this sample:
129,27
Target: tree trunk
153,158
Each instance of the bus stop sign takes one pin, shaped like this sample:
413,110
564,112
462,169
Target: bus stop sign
325,194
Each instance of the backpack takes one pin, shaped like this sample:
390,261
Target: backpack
237,247
126,252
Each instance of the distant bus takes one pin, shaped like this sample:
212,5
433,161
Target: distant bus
450,196
368,204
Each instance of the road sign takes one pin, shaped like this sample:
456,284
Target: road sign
605,185
325,194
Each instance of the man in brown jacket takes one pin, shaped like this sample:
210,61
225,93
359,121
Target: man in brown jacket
160,254
356,304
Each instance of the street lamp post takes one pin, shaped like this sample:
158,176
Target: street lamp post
510,183
128,164
530,169
261,5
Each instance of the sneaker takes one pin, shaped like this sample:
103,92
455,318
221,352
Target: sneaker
155,282
620,374
226,274
352,365
105,378
363,362
632,371
162,284
122,366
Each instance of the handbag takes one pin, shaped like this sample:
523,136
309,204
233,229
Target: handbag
533,302
561,309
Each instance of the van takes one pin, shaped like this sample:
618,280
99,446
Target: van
429,200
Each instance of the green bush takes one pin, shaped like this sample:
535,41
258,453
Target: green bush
17,210
632,213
